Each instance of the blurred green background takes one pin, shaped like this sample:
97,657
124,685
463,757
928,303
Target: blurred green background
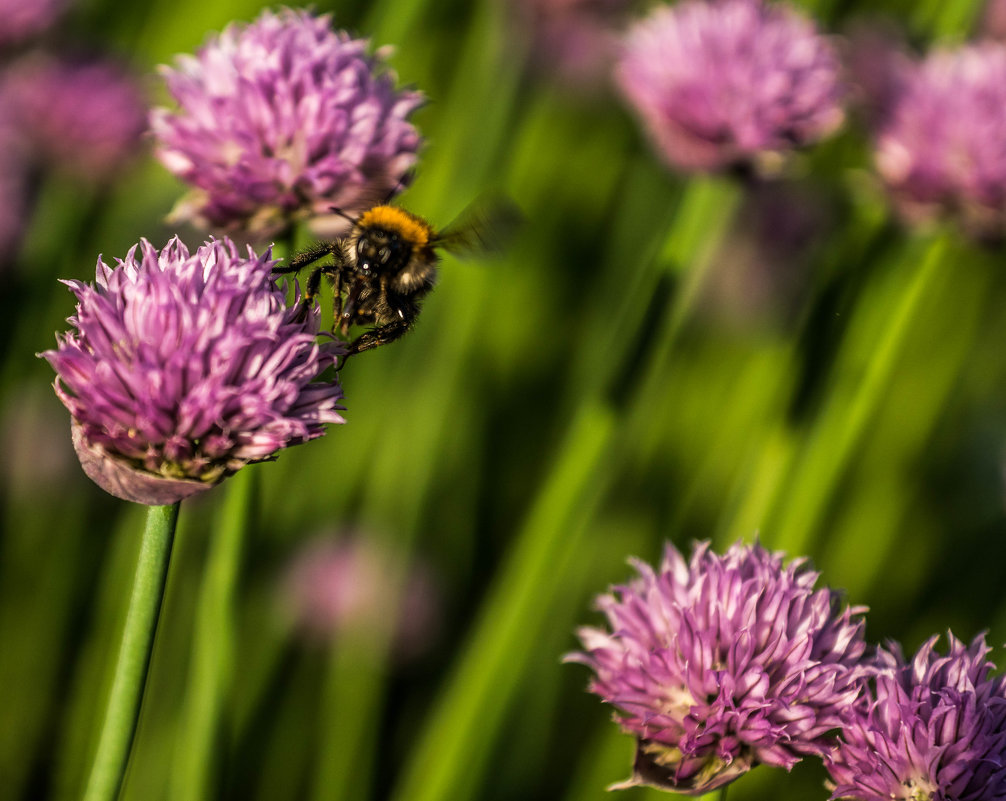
656,358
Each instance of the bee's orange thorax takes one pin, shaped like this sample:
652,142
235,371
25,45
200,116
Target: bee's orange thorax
409,227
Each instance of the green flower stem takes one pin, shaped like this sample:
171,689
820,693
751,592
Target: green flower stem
700,225
354,683
123,710
840,430
452,749
212,660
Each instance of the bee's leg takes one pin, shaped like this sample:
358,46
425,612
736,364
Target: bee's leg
376,337
304,258
298,263
310,293
313,285
336,297
348,312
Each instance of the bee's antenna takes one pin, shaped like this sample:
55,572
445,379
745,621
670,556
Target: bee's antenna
403,183
341,213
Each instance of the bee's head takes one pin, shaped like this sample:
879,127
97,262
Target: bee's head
380,250
386,238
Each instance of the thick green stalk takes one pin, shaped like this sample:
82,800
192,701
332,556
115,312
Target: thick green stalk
450,754
839,432
700,225
123,710
352,694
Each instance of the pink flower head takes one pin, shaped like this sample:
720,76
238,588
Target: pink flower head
935,728
281,120
84,117
722,663
730,82
184,368
941,145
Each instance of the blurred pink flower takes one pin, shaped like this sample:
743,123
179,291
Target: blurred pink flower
82,116
333,586
941,144
730,82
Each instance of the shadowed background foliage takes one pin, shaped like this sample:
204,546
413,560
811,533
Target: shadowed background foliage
655,358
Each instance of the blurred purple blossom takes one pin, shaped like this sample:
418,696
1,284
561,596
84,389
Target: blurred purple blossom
280,120
935,729
941,146
24,19
184,368
722,663
730,82
336,586
82,116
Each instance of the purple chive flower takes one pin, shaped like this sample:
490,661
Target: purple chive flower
722,663
22,20
80,116
184,368
941,145
730,82
935,729
280,120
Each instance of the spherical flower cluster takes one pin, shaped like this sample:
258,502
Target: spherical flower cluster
281,120
722,663
184,368
941,146
935,729
85,117
730,82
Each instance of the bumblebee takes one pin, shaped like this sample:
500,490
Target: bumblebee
387,263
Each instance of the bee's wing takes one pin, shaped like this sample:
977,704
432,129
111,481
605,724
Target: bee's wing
484,227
